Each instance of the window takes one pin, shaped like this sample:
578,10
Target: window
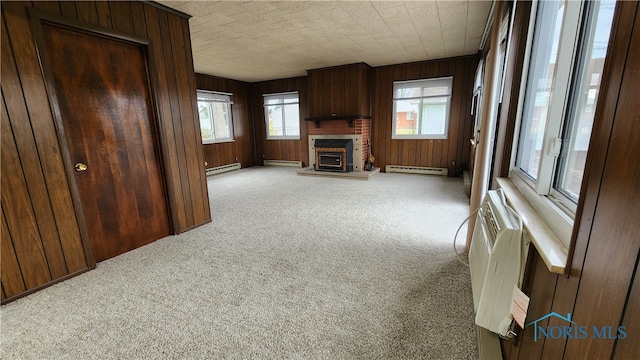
282,115
538,95
421,108
566,61
214,109
586,85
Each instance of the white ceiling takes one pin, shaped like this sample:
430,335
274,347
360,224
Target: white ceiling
265,40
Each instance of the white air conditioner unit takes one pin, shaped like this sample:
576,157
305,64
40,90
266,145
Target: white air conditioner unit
496,260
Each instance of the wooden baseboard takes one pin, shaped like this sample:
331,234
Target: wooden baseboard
43,286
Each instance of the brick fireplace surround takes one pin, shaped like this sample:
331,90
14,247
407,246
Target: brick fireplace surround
361,129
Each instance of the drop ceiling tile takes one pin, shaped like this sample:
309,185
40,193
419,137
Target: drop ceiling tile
230,38
385,5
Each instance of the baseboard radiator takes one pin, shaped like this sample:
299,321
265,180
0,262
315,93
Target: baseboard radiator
417,170
221,169
287,163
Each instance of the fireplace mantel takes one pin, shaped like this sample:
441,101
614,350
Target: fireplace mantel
348,118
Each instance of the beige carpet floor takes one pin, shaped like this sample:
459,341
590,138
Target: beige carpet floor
291,267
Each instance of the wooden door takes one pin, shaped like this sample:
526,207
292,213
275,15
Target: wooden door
103,95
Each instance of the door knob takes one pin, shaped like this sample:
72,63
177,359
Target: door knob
81,167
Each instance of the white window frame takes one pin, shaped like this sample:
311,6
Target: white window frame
282,97
423,83
219,97
555,208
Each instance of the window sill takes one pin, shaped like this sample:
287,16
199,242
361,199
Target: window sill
419,137
218,142
284,138
550,247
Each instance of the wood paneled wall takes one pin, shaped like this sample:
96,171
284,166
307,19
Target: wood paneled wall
602,287
41,230
294,150
452,153
340,90
241,149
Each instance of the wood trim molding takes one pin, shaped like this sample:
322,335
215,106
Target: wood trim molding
44,286
348,118
36,18
168,9
58,20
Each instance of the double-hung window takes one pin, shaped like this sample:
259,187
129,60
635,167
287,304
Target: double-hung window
214,109
282,115
566,55
421,108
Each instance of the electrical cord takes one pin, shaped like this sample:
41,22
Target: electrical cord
456,236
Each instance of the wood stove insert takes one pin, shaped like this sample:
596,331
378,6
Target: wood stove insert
334,155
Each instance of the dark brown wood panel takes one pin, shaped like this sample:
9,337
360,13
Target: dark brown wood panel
462,147
139,21
68,9
34,177
20,217
87,11
161,83
29,110
186,135
191,129
12,280
394,149
121,16
625,348
543,284
379,131
205,214
448,153
460,85
341,90
178,131
49,6
293,150
27,107
104,14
